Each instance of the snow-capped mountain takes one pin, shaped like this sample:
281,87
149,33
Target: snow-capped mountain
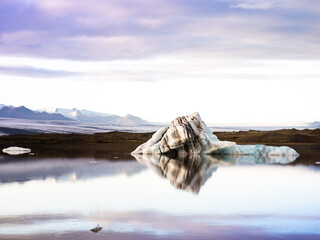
97,117
130,120
81,116
70,113
315,125
88,116
21,120
25,113
3,105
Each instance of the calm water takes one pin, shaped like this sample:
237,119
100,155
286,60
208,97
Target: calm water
151,199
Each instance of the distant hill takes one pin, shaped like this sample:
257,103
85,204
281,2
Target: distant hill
82,116
97,117
315,125
130,120
3,105
25,113
88,116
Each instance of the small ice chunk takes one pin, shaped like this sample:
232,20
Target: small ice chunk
16,150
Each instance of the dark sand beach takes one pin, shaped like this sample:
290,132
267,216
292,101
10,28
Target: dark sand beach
118,145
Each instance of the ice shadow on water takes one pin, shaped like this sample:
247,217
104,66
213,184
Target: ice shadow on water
190,172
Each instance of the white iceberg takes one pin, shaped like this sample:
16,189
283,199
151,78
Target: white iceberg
16,150
189,135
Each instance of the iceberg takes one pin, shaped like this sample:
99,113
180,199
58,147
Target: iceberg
16,150
189,135
187,153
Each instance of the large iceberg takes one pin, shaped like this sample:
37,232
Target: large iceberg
189,135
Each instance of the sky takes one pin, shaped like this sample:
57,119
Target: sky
236,62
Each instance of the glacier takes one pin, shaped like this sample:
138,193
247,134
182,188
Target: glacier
189,135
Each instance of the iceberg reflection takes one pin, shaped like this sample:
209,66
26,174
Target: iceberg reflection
190,172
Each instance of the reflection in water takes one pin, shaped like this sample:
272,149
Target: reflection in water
65,198
53,169
190,172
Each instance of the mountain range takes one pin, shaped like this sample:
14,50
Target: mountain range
25,113
76,116
69,115
315,124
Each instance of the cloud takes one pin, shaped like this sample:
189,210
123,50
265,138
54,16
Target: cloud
127,29
253,5
34,72
297,5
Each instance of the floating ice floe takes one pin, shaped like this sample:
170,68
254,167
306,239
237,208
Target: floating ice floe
189,135
16,150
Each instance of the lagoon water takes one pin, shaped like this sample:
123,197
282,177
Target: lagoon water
63,198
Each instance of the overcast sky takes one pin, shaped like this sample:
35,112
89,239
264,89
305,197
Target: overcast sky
247,62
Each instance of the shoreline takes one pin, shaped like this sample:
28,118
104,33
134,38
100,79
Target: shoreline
119,145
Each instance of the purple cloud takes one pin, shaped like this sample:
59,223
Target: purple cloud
127,29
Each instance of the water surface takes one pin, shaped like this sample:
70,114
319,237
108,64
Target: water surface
63,198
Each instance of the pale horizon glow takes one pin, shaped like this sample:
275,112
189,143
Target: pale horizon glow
236,62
